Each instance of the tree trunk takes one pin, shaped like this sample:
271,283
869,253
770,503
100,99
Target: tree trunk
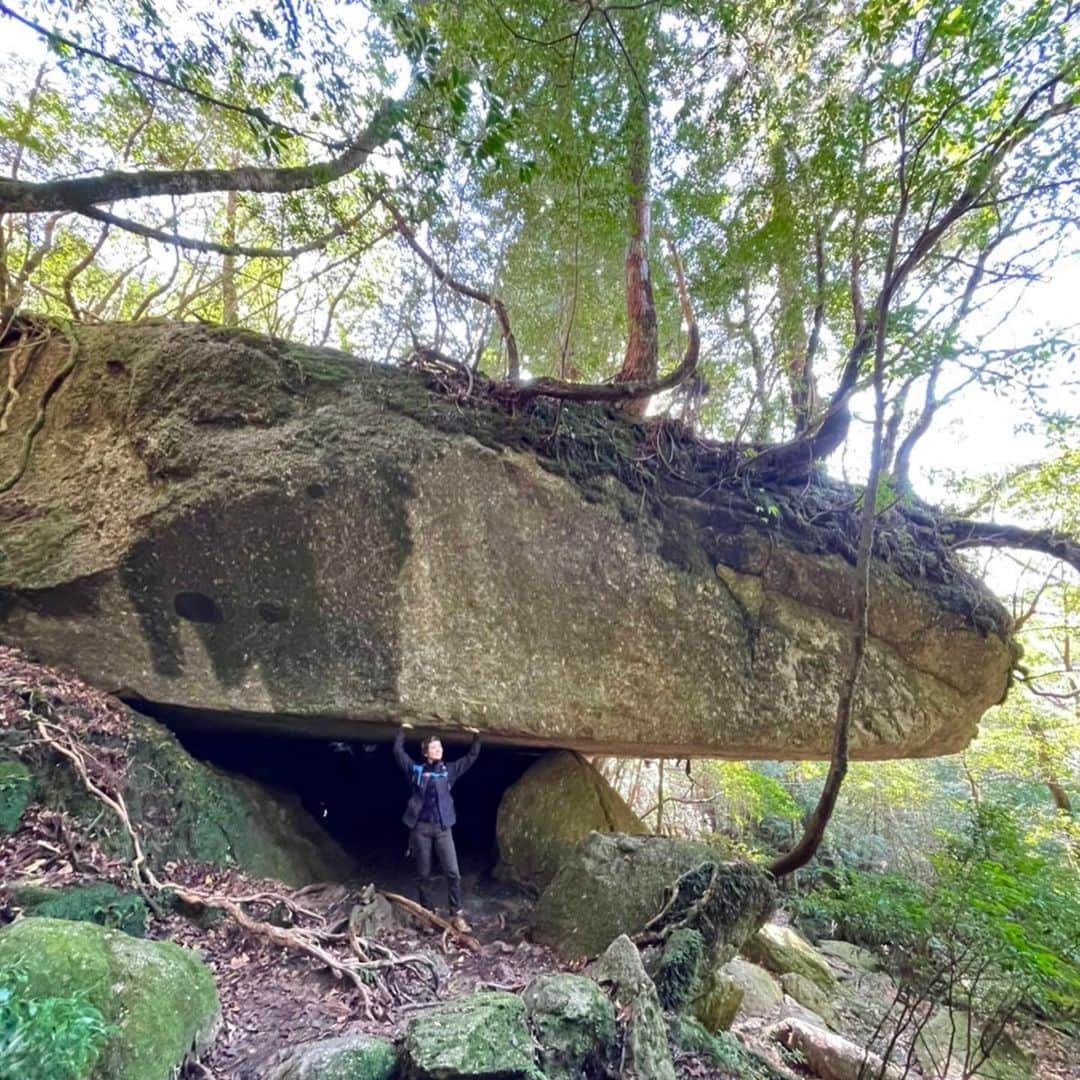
794,340
641,361
229,309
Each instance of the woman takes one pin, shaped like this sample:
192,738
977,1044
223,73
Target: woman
429,815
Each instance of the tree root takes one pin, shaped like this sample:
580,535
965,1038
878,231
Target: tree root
429,917
39,420
682,908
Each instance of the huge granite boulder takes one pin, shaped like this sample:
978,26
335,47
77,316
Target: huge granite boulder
545,816
246,532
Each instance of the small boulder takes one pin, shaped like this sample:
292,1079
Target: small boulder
646,1054
350,1057
157,1000
853,955
473,1037
760,991
99,902
574,1023
782,950
808,994
547,814
16,787
717,1001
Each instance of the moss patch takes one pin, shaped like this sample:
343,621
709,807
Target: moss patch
100,903
159,999
677,970
481,1036
16,789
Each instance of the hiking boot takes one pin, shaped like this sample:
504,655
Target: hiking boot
459,923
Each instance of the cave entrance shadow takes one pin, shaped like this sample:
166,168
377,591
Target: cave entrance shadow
356,792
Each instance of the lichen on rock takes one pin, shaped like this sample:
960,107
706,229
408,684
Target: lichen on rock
574,1023
480,1036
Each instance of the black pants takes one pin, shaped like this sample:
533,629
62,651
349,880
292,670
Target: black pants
425,836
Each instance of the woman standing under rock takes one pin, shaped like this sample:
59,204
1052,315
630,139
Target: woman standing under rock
430,817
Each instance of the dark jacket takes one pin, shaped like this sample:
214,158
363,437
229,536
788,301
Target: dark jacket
444,781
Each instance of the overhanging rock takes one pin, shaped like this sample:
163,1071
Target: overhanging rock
286,538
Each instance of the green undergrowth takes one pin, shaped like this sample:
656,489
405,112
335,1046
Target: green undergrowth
999,916
46,1037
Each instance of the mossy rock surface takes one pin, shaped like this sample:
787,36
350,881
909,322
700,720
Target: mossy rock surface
101,903
615,884
760,991
16,790
677,968
158,998
550,811
574,1023
645,1051
810,996
717,1001
350,1057
782,950
185,809
481,1036
854,956
721,1049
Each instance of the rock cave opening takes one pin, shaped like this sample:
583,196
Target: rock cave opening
356,792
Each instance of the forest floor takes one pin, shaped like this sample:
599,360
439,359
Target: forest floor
274,997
